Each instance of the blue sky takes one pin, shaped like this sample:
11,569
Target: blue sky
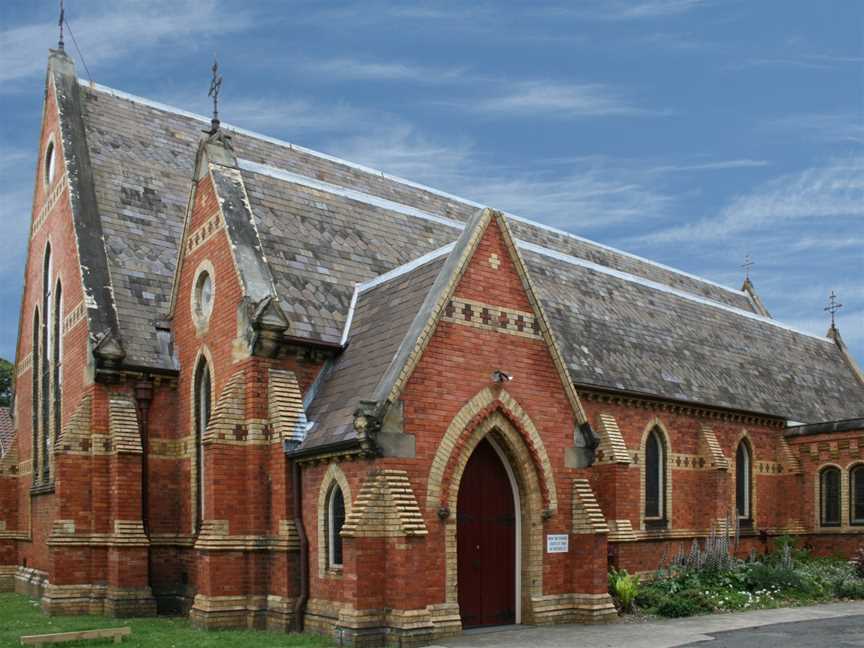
688,131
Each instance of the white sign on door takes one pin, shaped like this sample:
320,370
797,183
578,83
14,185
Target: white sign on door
557,543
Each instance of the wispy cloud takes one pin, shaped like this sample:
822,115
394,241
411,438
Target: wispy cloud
716,165
827,127
351,69
556,99
282,116
593,193
834,191
804,61
615,10
109,31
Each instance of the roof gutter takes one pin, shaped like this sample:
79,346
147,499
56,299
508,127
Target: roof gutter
346,446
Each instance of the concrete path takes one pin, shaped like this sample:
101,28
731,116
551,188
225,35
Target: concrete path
678,632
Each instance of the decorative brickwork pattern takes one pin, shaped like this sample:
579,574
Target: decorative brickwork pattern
787,458
50,201
587,516
487,401
385,508
467,312
9,461
228,421
75,317
285,402
24,365
612,448
75,436
125,436
710,448
202,234
513,443
621,531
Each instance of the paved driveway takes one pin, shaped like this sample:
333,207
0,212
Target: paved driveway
843,631
837,624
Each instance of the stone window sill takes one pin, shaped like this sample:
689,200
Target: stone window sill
335,572
42,489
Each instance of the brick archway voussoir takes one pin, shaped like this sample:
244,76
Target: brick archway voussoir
483,404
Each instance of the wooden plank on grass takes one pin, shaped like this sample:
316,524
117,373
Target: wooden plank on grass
116,634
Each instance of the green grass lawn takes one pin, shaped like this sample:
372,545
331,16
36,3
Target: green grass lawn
20,615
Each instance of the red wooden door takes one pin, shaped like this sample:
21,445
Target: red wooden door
486,541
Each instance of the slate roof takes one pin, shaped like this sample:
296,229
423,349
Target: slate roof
381,319
622,322
7,431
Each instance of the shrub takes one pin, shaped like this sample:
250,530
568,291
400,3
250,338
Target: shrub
624,588
852,588
776,578
649,598
684,603
857,562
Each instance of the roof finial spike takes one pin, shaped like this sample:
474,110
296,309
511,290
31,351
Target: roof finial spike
60,25
748,263
215,85
832,307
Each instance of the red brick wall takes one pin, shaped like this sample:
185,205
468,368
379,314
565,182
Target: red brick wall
57,227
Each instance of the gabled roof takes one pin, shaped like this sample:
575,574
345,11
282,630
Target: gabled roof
382,317
392,321
325,224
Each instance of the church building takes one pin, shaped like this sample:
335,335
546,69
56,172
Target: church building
265,387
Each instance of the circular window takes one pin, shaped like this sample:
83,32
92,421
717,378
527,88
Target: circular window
203,295
49,163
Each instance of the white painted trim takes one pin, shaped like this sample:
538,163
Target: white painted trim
525,245
350,318
517,515
443,194
345,192
404,209
387,276
407,267
625,276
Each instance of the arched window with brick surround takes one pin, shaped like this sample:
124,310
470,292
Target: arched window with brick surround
829,496
45,369
856,495
57,362
335,521
744,481
202,418
34,370
655,477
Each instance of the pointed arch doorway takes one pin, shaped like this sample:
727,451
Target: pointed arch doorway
487,539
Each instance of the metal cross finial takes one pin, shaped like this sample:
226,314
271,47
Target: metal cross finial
833,306
748,263
215,85
60,25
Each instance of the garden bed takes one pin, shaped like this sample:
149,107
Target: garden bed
709,579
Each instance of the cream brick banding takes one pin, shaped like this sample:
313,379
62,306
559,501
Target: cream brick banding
486,397
612,443
709,447
587,516
385,507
